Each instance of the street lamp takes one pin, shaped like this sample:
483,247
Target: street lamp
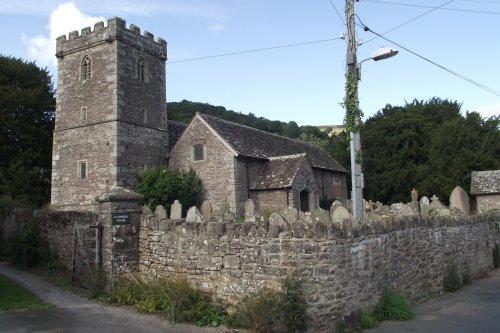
352,98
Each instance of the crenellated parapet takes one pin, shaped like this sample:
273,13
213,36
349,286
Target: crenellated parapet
116,30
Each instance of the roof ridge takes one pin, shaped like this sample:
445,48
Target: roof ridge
256,129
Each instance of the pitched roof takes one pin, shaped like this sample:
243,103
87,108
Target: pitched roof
175,129
485,182
277,172
251,142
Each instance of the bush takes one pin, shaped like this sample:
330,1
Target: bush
258,311
27,248
293,304
161,186
392,306
268,310
365,320
176,299
452,281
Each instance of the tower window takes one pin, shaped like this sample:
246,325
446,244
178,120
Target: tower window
86,68
140,69
144,116
83,113
198,152
82,169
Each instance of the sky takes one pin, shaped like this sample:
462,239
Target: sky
298,74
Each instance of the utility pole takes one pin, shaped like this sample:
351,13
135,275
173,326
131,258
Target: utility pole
353,116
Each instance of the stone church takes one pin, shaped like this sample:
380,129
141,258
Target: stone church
111,122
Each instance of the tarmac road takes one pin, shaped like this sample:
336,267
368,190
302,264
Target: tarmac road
475,308
77,314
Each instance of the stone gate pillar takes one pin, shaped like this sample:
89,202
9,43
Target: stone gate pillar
119,215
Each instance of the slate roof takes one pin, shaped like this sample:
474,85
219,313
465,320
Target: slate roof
485,182
175,129
277,172
251,142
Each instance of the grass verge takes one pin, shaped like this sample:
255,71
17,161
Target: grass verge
15,297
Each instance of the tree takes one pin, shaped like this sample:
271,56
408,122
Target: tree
428,146
27,107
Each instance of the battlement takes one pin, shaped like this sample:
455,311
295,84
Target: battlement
116,30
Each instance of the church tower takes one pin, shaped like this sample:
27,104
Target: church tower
111,118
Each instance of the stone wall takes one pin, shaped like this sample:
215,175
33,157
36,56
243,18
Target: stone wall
67,234
345,268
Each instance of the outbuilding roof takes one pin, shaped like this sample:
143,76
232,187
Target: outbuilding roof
250,142
485,182
277,172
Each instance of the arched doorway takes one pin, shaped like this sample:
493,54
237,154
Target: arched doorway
305,200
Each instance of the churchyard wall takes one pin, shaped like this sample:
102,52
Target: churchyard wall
345,266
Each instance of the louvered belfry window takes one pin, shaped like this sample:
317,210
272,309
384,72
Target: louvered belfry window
86,68
140,69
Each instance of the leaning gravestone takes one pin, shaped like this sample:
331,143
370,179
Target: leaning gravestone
176,210
460,200
290,214
249,211
194,215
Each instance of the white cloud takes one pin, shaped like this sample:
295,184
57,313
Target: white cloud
65,18
490,110
216,27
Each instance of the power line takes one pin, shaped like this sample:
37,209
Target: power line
340,16
424,6
409,21
477,84
255,50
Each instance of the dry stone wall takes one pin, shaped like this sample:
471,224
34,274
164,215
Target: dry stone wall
345,268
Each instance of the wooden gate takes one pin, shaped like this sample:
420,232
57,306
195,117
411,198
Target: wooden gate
87,251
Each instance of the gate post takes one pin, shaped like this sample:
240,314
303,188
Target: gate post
119,215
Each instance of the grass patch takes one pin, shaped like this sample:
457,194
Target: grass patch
15,297
392,306
452,281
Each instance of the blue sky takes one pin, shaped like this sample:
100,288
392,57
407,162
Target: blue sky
301,83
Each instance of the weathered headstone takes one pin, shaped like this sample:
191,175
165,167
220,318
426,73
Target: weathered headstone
414,195
424,201
435,202
161,213
290,214
407,210
320,215
460,200
194,215
224,209
206,211
338,215
176,210
249,211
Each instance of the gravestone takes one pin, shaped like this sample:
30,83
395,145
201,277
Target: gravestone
249,211
160,213
176,210
320,215
290,214
414,195
338,215
460,200
194,215
435,202
224,210
206,211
